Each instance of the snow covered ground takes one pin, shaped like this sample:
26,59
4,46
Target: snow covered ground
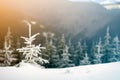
110,71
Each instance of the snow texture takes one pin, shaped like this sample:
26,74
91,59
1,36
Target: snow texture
108,71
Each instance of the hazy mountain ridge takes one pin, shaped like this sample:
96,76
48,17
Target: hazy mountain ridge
75,17
114,25
77,20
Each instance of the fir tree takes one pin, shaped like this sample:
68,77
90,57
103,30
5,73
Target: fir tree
31,52
48,43
107,50
64,55
85,60
50,52
8,49
93,52
98,52
84,47
54,60
116,44
19,55
107,37
65,60
72,52
116,50
79,54
61,45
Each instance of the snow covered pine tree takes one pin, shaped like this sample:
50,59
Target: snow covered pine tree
51,51
108,54
86,60
31,52
64,55
98,52
116,50
8,50
65,60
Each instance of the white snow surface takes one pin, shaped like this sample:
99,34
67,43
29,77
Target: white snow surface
110,71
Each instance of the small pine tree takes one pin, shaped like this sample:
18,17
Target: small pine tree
98,52
93,52
48,44
31,52
116,50
84,46
50,52
61,45
65,60
8,49
107,37
54,61
79,54
63,51
18,55
116,44
107,50
85,61
72,52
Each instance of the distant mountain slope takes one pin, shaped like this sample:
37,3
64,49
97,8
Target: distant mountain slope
74,19
65,16
114,25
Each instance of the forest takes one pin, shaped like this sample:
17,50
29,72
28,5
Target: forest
57,52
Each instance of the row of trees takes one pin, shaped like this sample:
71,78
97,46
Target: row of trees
65,54
57,52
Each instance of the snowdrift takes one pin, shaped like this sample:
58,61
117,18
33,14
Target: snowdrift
110,71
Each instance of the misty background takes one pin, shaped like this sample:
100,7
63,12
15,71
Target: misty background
77,20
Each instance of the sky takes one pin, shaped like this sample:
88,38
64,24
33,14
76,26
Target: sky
100,1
